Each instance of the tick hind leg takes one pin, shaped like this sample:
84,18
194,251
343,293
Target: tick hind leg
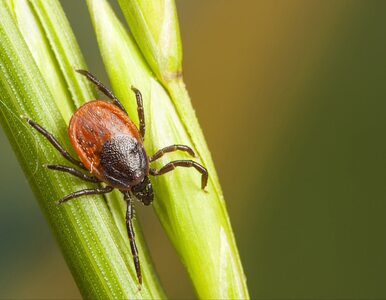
56,144
141,113
96,191
131,234
102,88
183,163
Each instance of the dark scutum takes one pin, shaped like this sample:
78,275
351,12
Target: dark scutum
124,161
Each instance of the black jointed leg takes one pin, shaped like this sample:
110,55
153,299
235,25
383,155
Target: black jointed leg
95,191
55,143
183,163
102,88
171,148
141,113
131,234
74,172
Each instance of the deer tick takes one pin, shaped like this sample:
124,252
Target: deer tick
110,147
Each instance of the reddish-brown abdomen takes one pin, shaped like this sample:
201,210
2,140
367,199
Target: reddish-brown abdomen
92,125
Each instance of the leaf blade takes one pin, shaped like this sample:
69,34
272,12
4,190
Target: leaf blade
204,239
96,251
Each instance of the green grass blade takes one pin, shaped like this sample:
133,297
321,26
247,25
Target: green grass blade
39,46
154,25
196,221
90,232
64,47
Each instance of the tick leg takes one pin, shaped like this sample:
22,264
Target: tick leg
77,194
102,88
55,143
171,148
183,163
131,234
74,172
141,113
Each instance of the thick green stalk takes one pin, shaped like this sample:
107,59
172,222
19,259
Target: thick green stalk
90,231
154,25
196,221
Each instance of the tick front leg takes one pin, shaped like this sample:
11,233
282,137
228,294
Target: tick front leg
183,163
131,234
171,148
55,143
96,191
102,88
141,113
73,172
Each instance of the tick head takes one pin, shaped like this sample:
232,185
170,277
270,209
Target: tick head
144,191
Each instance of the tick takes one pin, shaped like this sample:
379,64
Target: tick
110,147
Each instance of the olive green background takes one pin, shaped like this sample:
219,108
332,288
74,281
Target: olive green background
291,96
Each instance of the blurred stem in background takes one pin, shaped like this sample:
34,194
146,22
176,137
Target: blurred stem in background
39,81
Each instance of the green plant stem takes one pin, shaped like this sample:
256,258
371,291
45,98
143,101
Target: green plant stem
90,231
196,221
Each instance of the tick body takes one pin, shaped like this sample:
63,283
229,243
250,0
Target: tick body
108,144
110,147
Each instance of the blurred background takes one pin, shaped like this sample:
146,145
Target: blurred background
291,96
